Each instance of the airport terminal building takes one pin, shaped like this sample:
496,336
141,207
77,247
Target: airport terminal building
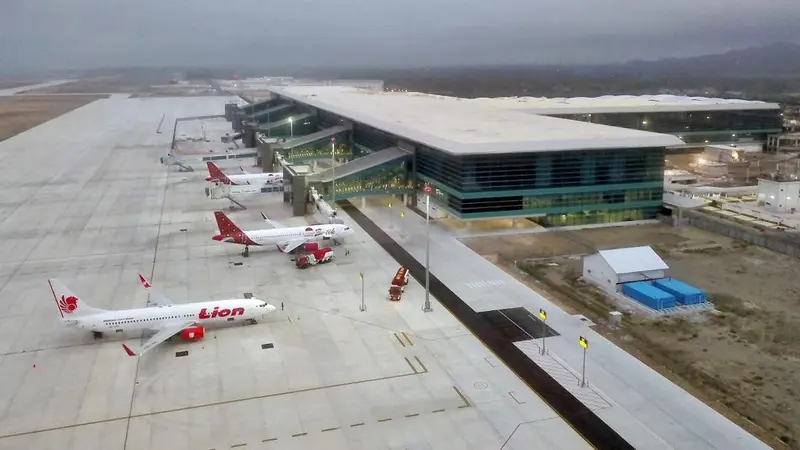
695,120
483,162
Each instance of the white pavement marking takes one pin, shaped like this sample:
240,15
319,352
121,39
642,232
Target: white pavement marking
484,284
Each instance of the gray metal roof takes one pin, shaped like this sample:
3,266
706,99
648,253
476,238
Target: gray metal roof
460,127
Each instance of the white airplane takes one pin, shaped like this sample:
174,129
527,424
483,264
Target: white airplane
285,238
217,176
163,316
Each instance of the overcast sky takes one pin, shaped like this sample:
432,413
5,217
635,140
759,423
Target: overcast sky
44,34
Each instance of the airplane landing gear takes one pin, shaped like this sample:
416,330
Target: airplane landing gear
246,252
252,321
97,334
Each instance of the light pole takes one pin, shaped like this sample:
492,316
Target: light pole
333,175
363,305
291,128
427,307
543,316
585,344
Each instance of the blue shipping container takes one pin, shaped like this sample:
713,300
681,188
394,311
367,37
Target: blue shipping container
684,293
648,295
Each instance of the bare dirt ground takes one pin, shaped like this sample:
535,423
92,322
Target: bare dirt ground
744,360
10,84
143,85
103,84
18,114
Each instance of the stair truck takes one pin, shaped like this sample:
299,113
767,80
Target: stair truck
312,259
398,284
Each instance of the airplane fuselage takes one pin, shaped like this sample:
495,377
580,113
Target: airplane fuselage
256,178
204,313
280,236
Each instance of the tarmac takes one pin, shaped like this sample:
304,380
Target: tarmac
90,204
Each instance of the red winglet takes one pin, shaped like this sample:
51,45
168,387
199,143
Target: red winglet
144,281
128,350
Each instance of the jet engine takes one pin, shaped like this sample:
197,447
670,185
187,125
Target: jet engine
194,333
311,246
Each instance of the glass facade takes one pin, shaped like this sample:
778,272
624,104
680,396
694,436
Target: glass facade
695,126
372,137
584,187
317,150
286,130
385,179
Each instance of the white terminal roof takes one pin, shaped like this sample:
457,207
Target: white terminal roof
633,260
462,126
623,104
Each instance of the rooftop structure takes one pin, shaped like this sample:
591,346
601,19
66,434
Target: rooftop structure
633,260
460,127
692,119
623,104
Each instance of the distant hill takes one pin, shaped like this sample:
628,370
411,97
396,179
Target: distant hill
778,59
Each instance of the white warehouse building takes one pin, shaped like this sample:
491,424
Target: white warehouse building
779,193
608,269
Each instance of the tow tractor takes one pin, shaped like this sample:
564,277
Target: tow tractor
312,259
398,284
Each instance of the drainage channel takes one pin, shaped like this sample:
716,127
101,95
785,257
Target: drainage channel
581,418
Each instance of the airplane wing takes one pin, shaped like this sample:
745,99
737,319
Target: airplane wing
168,330
157,298
273,223
290,245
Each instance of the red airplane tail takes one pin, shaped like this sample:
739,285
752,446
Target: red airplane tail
216,174
225,225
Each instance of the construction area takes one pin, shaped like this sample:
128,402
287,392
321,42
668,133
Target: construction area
739,359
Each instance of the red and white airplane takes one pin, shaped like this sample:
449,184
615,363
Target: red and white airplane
217,176
285,238
163,316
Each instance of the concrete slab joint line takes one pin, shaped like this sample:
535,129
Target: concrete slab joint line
463,398
219,403
580,417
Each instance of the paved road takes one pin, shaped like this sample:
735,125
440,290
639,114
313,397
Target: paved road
585,422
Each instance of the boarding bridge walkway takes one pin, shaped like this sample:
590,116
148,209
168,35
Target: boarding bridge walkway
254,108
374,174
300,141
266,127
237,193
264,114
358,165
186,161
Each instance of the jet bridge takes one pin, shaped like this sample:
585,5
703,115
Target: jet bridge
384,172
269,112
186,162
316,146
285,127
237,193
